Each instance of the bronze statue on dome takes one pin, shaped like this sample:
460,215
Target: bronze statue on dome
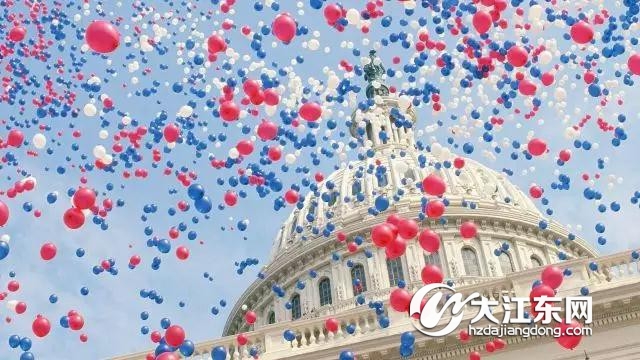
374,71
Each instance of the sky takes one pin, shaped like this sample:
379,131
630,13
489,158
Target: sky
139,79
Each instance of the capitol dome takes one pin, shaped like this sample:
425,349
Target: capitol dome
393,167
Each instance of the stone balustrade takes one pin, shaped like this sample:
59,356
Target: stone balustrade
311,336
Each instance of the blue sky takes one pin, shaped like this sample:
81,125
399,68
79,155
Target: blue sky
112,308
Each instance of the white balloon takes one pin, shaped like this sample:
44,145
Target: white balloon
290,159
560,94
545,57
107,159
353,16
185,111
313,44
90,110
11,305
5,237
244,307
39,141
103,134
99,151
233,153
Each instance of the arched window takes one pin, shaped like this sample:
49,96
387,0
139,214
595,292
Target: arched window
356,188
333,198
506,263
409,176
394,268
433,259
324,288
357,272
470,262
296,311
369,128
535,261
383,180
384,129
271,318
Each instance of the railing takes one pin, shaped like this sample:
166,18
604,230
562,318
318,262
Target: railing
613,270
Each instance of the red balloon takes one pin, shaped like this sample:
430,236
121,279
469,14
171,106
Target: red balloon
383,234
171,133
464,336
76,322
267,130
332,325
310,111
155,336
537,147
552,276
429,240
250,317
396,248
475,356
399,299
229,111
216,44
540,291
41,326
565,155
15,138
408,228
434,185
168,356
84,198
102,37
458,163
634,64
431,274
291,196
394,219
332,13
566,340
352,247
490,346
13,286
271,97
48,251
251,87
284,28
517,56
182,253
21,307
581,32
17,33
435,209
174,336
468,230
535,191
73,218
245,147
499,343
526,87
275,153
230,198
482,21
242,339
547,79
4,213
84,338
135,260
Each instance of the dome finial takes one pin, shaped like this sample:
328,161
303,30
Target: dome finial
373,73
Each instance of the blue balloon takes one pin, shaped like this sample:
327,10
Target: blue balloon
203,205
162,348
14,341
289,335
382,203
164,246
407,338
347,355
64,322
219,353
25,344
165,323
4,249
27,356
187,348
406,350
195,192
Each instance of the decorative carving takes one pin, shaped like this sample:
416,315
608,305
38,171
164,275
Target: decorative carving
453,265
492,268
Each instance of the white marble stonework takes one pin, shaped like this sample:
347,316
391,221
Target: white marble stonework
501,211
